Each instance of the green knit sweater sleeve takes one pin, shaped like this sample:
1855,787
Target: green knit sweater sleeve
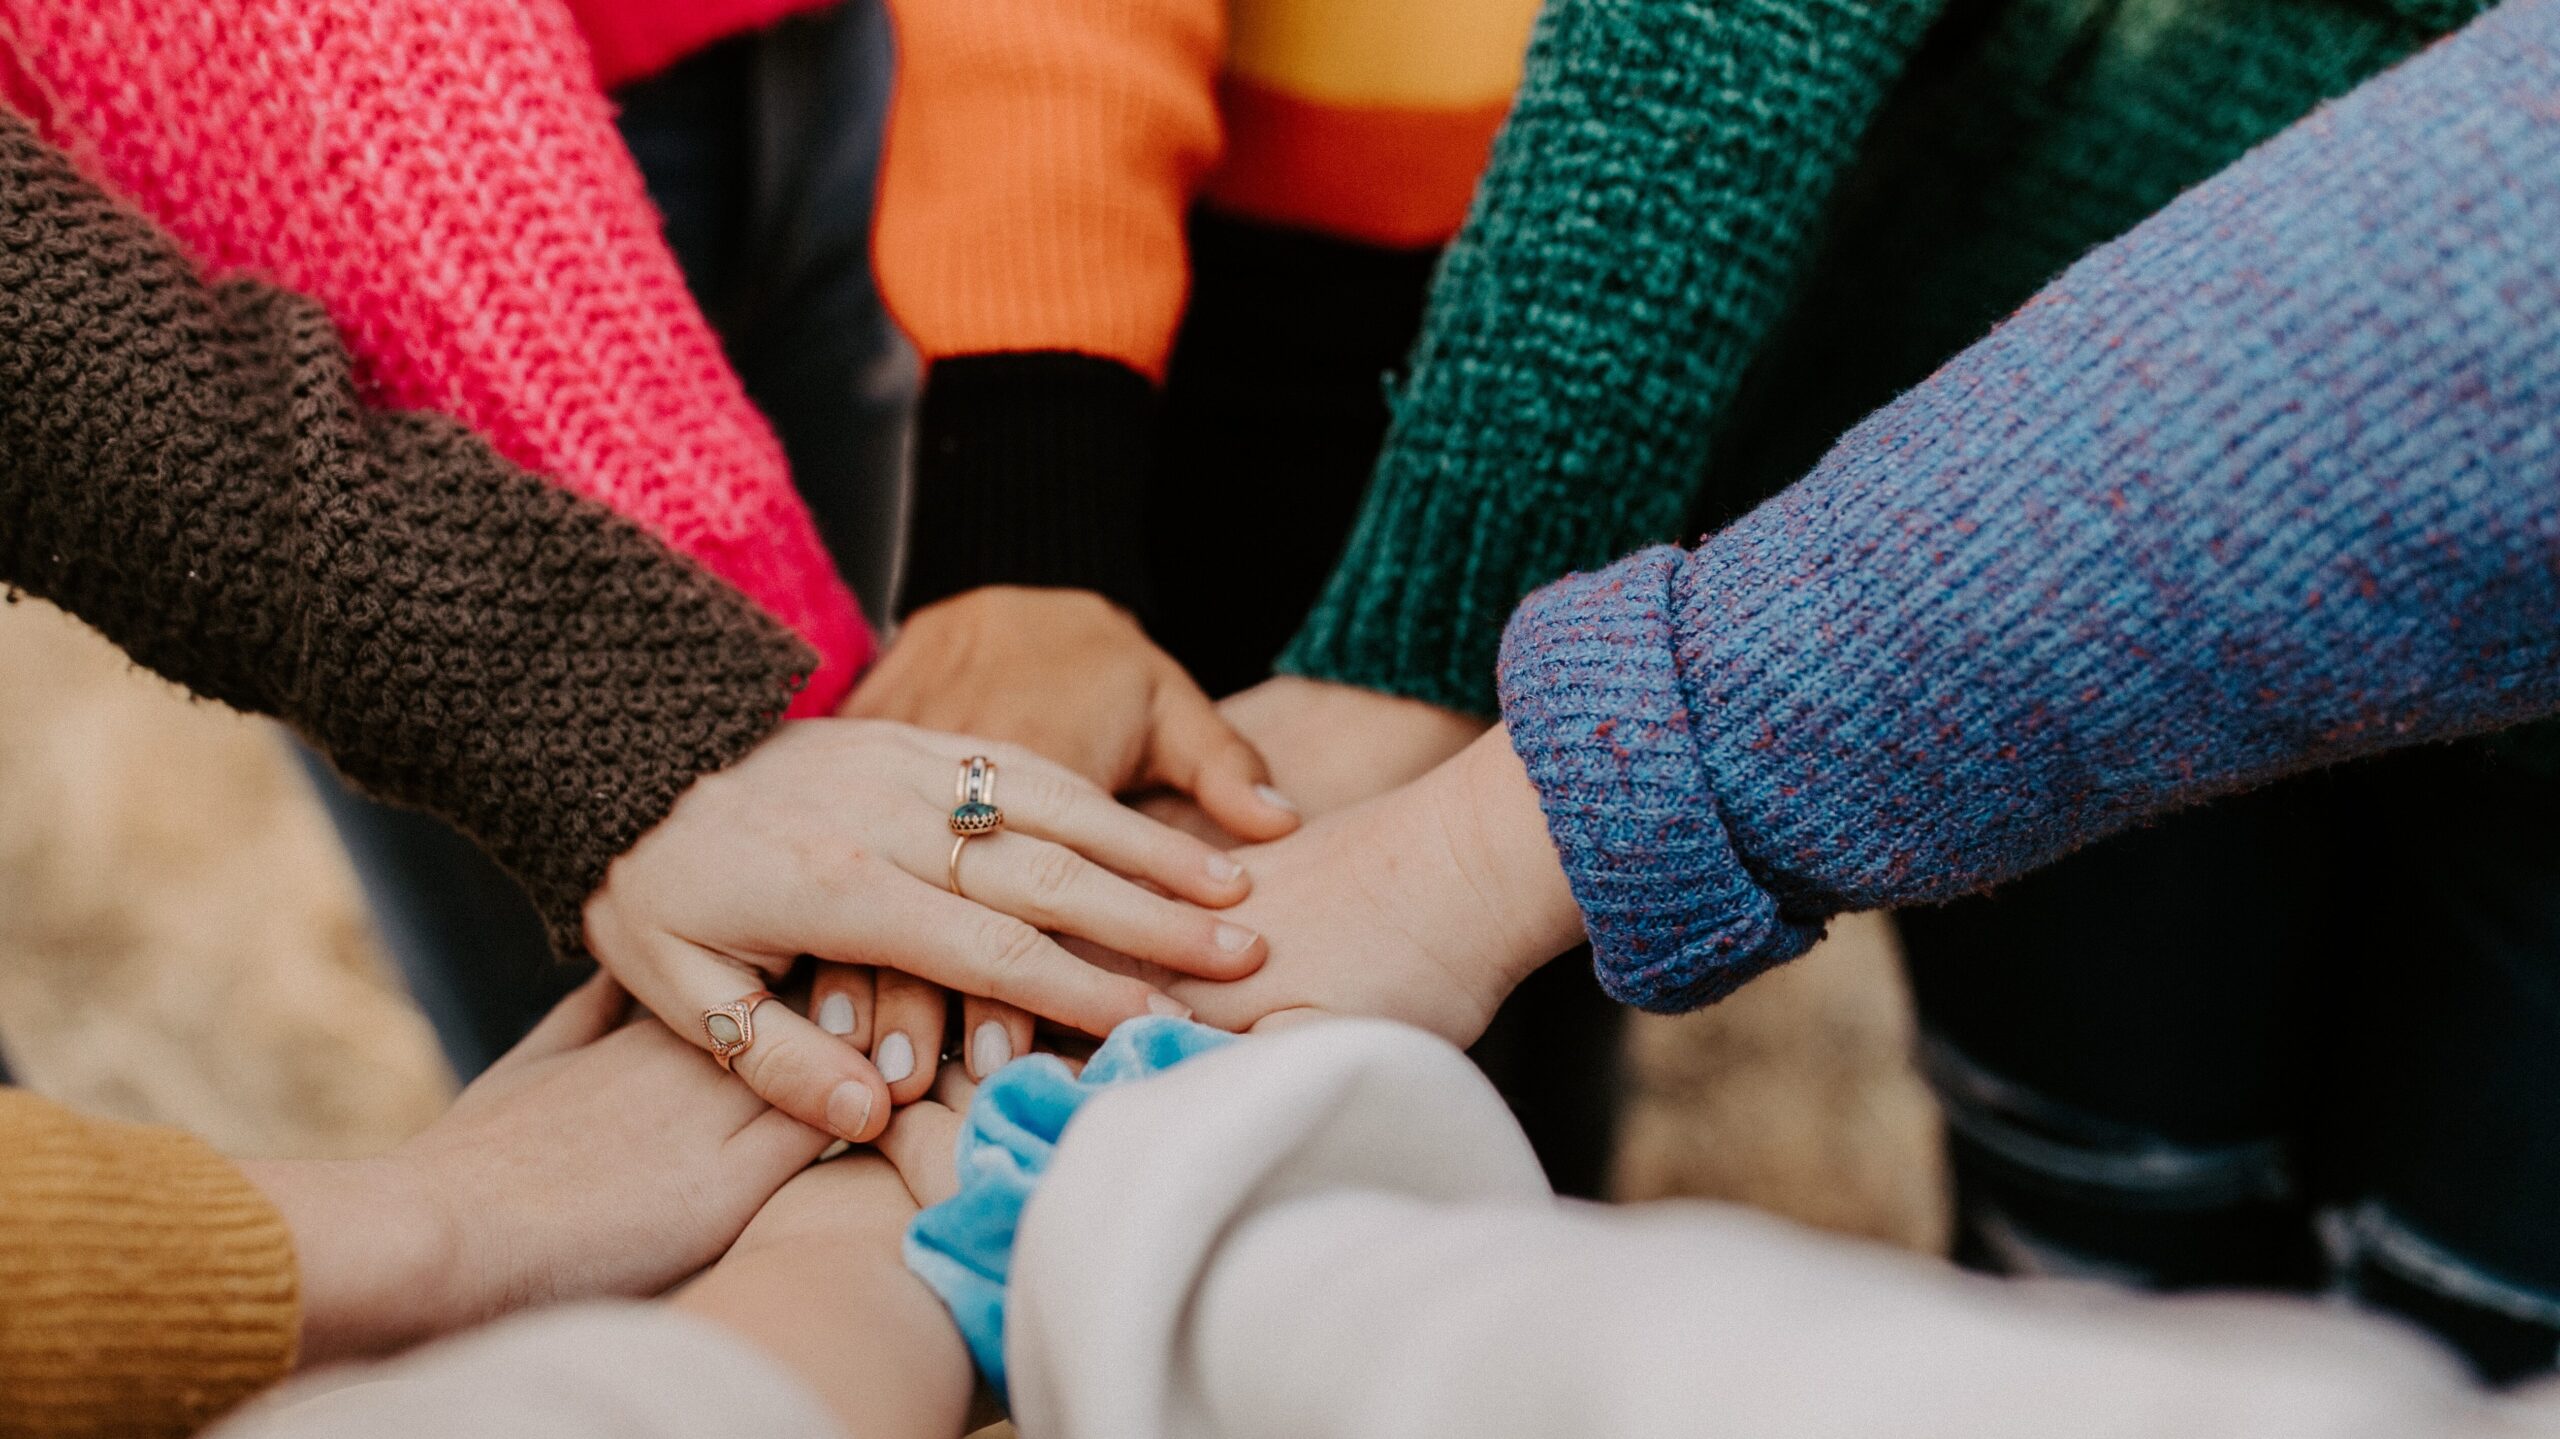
1646,212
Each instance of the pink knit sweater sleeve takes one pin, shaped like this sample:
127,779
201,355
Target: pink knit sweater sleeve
445,177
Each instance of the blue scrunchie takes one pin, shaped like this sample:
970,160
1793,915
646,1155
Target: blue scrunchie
962,1248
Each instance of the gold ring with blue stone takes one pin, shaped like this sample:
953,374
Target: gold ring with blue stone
976,813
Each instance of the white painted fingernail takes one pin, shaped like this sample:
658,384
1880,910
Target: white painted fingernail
1223,869
835,1014
1275,798
849,1108
1235,938
896,1056
1166,1004
990,1049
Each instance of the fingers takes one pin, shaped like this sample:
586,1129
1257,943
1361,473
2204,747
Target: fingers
892,918
841,1002
813,1076
1044,799
920,1144
792,1064
774,1143
583,1016
1192,748
992,1034
1058,890
907,1033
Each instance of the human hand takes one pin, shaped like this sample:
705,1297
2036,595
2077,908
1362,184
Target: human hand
1069,675
1427,904
832,839
818,1282
1331,745
593,1159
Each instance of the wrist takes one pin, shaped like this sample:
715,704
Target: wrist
862,1332
1490,819
375,1252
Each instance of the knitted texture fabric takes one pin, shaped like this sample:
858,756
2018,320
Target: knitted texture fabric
151,1286
444,177
1583,372
2011,149
189,470
2272,482
1639,229
632,38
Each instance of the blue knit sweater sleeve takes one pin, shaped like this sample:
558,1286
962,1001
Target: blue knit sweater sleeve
2270,482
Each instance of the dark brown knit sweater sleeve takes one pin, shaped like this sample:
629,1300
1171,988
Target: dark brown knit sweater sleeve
187,468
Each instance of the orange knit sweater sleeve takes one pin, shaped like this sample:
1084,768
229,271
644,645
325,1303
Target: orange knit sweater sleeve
1041,156
145,1285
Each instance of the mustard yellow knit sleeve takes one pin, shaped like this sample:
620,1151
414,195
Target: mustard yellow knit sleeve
145,1285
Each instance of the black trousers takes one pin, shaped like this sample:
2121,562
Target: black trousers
2308,1040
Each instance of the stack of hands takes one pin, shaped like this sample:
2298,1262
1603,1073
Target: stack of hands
1263,872
1260,871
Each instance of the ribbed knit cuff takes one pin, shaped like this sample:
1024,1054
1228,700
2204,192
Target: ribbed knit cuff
1598,712
150,1286
1031,469
1432,572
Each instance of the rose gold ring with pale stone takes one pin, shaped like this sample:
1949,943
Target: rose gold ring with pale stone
732,1027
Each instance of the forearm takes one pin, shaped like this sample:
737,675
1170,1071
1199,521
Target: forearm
373,1251
1646,212
2265,485
188,470
444,178
864,1335
588,1371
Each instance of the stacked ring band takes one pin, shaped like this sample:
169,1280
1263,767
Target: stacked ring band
975,813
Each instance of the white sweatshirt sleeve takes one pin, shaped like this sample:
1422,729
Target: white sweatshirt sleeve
586,1371
1339,1231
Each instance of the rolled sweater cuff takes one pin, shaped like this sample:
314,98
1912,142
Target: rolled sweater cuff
1599,714
1031,469
150,1286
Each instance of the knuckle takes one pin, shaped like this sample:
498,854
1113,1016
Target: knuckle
794,1081
1046,791
1051,872
1011,951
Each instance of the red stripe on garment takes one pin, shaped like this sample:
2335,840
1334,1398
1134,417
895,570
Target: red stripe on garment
1381,175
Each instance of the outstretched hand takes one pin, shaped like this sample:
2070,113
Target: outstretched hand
1072,677
1427,904
595,1159
1069,675
832,839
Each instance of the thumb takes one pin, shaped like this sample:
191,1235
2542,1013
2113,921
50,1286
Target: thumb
1192,748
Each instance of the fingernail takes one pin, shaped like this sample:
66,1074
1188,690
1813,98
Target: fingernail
1275,798
849,1108
896,1056
1235,938
835,1014
990,1049
1223,869
1168,1005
